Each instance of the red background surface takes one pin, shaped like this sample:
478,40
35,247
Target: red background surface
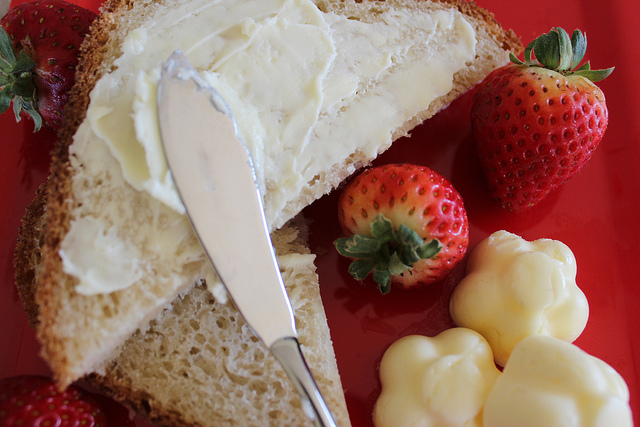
595,214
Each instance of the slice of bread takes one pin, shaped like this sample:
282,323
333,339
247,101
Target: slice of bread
199,364
124,234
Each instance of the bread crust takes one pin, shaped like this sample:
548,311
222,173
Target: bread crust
27,253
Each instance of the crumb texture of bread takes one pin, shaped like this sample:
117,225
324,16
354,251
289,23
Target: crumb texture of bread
81,334
204,350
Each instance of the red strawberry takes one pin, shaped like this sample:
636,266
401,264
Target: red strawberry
38,57
36,401
407,225
536,123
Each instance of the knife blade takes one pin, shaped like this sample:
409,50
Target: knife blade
213,172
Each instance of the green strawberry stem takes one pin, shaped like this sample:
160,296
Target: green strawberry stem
386,253
16,80
559,52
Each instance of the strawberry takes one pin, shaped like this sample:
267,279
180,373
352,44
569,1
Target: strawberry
536,123
405,223
30,400
39,47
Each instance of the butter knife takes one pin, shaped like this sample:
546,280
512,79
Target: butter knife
215,178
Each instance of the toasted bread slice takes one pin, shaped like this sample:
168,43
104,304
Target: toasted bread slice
199,364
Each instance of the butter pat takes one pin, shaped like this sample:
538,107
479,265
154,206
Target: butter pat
515,288
549,382
435,382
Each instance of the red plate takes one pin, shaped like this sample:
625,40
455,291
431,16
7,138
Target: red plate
595,214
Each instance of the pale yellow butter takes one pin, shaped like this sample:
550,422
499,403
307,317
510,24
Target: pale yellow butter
515,288
87,241
435,382
549,382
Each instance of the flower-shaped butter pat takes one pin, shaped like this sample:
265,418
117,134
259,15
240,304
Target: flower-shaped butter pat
435,382
515,288
552,383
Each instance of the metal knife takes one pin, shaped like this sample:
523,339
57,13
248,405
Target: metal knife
214,175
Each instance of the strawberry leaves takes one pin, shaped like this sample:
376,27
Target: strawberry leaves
17,82
559,52
578,46
386,252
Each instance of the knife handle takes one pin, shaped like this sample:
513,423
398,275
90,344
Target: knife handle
288,353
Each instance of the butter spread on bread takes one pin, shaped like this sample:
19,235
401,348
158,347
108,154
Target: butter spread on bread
301,83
